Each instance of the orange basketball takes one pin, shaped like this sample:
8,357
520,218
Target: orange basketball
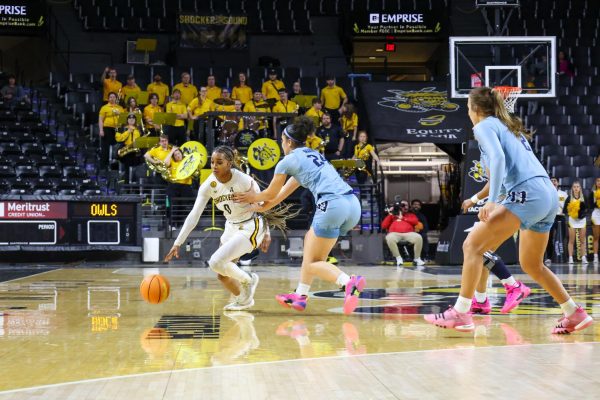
155,289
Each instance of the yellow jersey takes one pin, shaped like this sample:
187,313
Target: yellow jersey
159,153
288,107
316,115
332,97
363,151
187,92
111,86
348,124
110,115
161,89
213,92
199,109
242,93
313,142
130,91
126,137
177,108
270,89
173,167
149,112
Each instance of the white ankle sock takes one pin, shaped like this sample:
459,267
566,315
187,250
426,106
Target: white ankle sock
399,260
595,257
302,289
510,281
569,307
342,279
480,297
462,304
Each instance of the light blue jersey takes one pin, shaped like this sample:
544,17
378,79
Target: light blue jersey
485,164
511,160
313,172
338,210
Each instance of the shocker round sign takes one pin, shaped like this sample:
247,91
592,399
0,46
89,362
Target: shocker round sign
264,154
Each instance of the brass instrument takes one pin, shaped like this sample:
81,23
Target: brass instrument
347,167
241,162
160,167
323,144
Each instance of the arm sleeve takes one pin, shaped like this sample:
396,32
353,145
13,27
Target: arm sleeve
566,206
583,209
194,216
490,144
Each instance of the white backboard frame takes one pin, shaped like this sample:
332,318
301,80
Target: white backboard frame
454,40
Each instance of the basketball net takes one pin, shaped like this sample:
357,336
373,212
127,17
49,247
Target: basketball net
510,95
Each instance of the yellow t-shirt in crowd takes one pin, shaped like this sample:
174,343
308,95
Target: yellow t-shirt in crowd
363,151
177,108
197,110
161,89
313,142
129,91
348,124
159,153
242,93
149,112
126,137
316,115
332,97
187,92
173,166
110,115
213,93
288,107
111,86
270,89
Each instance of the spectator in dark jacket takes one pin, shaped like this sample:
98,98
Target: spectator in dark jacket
400,224
423,228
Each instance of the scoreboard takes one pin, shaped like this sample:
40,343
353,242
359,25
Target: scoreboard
34,223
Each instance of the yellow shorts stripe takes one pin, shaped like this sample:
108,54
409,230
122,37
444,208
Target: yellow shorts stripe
255,233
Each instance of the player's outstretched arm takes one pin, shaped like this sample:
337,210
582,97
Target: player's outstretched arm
267,194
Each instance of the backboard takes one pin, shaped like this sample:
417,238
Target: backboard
525,61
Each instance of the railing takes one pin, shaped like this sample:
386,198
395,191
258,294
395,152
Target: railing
353,61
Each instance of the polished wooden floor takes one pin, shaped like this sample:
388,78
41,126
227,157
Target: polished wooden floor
85,333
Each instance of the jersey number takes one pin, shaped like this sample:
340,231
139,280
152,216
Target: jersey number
227,208
525,143
319,160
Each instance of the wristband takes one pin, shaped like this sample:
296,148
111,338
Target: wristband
475,199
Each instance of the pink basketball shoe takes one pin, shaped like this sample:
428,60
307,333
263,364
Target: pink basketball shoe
293,300
514,296
575,322
480,308
355,285
462,322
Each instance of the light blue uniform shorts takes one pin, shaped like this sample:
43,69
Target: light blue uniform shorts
534,202
337,216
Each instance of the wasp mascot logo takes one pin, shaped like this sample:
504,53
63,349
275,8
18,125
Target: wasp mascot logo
419,101
477,173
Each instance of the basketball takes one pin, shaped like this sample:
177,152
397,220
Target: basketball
155,289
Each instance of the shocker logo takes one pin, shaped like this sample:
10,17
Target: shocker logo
476,172
419,101
263,154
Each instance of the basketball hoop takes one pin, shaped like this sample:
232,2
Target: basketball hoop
510,95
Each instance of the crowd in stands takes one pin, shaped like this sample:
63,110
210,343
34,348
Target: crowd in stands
336,120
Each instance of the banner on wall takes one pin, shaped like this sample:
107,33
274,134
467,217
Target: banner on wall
22,17
419,23
212,31
414,112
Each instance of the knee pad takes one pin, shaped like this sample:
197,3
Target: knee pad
489,259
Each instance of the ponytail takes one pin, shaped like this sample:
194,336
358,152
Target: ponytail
490,102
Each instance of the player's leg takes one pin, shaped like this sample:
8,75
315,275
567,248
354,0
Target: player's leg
531,254
596,234
516,291
582,244
501,225
480,303
571,244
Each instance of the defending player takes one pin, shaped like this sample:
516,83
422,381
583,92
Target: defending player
337,211
244,229
530,205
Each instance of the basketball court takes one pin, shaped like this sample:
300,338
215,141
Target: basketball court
86,333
